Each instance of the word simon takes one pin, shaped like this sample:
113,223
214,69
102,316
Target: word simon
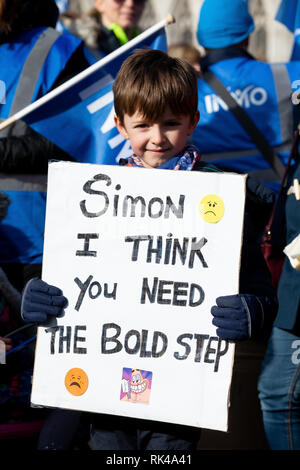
129,206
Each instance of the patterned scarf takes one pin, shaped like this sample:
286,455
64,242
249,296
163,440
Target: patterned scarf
184,161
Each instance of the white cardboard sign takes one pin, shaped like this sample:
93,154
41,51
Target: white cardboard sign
141,256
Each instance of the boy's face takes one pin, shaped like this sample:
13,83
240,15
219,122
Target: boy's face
157,142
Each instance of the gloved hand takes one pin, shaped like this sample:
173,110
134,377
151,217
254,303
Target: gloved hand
238,317
41,302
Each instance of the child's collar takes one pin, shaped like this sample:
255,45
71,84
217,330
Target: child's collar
184,161
170,164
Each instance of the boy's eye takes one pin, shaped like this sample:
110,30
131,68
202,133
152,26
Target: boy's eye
141,125
172,123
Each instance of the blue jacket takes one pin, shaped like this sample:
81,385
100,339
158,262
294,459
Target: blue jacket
30,64
264,91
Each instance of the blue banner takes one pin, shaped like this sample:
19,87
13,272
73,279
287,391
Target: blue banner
80,120
289,15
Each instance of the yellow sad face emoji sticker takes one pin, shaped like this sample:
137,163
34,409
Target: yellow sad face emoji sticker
76,381
211,208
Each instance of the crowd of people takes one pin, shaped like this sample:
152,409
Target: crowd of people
183,120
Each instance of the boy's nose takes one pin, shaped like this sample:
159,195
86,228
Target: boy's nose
157,135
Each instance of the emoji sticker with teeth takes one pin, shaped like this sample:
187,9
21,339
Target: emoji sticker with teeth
137,383
137,388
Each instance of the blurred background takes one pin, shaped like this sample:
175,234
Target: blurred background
271,41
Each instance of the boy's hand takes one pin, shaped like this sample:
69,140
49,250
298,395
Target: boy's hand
238,317
41,301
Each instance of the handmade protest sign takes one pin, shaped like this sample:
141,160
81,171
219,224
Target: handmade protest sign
141,256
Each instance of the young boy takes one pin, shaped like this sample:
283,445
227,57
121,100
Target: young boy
154,112
156,109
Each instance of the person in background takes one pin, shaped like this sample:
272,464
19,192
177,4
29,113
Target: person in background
19,424
34,59
279,382
64,13
262,89
187,52
109,25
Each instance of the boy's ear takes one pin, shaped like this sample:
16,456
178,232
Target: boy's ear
120,127
194,122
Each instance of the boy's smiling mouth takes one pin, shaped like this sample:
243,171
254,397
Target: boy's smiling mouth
158,150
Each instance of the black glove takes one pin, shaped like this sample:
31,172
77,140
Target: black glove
41,302
238,317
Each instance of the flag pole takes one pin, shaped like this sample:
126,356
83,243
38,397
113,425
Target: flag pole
88,71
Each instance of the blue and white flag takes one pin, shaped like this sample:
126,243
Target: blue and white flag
79,117
289,15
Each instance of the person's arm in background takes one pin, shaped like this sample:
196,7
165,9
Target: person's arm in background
30,153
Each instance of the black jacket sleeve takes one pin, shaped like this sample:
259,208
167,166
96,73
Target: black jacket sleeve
28,154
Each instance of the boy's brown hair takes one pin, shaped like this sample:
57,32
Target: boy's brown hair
149,81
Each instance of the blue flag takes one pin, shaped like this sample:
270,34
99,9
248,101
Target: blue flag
289,15
80,119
